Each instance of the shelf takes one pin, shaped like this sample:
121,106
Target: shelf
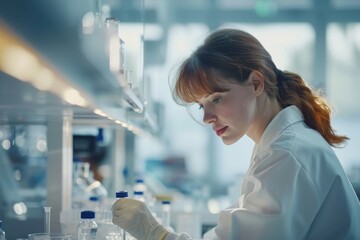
78,80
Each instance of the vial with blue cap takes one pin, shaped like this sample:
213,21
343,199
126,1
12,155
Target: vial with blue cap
87,228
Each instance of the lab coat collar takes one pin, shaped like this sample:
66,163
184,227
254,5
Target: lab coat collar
284,119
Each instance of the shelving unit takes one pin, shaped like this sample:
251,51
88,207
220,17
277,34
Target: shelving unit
53,74
50,33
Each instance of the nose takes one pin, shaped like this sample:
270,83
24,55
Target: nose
209,116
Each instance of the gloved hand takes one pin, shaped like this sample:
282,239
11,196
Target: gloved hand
135,218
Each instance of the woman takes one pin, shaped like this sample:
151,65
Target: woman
295,187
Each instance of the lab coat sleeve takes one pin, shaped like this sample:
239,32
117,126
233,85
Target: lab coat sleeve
279,202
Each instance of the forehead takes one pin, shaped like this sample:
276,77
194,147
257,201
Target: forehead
197,78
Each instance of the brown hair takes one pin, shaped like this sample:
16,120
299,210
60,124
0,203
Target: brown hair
231,55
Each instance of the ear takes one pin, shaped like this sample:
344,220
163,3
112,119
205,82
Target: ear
258,81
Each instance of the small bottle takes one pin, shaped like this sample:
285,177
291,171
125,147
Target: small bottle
94,203
2,233
140,185
166,214
87,228
139,195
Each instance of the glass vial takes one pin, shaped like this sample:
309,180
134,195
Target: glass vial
166,214
87,228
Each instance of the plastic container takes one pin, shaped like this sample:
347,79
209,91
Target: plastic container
93,203
87,228
2,233
139,195
166,215
139,185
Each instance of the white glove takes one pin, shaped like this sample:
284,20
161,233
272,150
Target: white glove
134,217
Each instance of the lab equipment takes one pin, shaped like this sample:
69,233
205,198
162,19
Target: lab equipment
2,233
166,215
140,188
139,185
87,228
139,195
47,219
93,203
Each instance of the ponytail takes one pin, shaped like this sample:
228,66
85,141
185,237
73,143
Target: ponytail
293,90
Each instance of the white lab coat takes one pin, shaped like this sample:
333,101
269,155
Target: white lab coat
295,188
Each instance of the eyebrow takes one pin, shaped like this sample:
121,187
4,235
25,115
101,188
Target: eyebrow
209,95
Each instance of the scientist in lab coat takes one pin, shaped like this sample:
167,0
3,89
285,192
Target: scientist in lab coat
295,187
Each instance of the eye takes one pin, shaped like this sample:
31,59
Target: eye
216,100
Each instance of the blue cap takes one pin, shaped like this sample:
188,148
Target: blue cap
138,193
139,180
93,198
87,214
122,194
165,202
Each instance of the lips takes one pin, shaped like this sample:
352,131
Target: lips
220,131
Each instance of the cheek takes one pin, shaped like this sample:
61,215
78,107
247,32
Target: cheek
239,109
245,111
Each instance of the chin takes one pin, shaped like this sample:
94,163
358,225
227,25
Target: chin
229,141
231,138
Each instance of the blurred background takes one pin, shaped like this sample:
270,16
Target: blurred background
69,105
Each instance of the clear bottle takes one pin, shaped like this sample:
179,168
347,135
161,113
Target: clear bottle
166,215
94,203
139,195
87,228
2,233
139,185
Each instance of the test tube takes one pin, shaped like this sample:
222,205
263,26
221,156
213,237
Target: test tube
47,219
